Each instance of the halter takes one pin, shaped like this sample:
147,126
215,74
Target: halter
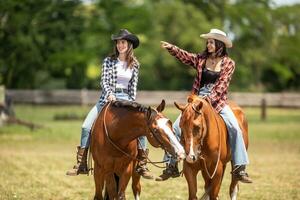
200,113
153,133
202,138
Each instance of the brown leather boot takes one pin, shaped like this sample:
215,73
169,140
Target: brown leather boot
141,167
81,166
170,172
239,173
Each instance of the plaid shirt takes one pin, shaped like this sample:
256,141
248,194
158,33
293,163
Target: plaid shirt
218,95
109,80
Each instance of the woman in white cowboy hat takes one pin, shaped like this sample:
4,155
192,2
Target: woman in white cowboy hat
118,81
214,72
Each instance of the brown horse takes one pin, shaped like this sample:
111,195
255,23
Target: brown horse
205,139
114,144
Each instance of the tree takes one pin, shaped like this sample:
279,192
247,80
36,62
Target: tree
41,43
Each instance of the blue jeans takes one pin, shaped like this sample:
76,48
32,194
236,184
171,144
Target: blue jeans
236,141
238,150
91,117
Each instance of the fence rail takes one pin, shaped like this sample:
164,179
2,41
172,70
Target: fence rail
89,97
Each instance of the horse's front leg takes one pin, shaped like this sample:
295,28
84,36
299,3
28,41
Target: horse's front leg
207,180
123,182
216,182
99,182
136,185
111,185
233,189
190,175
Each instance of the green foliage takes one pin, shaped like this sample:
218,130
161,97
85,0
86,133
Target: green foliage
41,41
50,44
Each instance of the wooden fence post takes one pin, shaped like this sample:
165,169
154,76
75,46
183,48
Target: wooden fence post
2,95
3,116
263,109
83,97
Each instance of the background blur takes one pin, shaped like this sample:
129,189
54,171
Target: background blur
51,53
60,44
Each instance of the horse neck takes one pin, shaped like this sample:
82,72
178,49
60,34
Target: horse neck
135,125
211,120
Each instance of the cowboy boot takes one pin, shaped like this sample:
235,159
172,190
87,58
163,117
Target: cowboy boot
81,166
239,174
171,171
141,167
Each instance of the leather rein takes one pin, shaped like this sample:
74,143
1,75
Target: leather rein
202,138
153,133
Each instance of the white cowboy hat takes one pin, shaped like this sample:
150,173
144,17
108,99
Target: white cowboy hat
218,35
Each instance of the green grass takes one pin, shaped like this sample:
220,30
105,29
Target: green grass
33,163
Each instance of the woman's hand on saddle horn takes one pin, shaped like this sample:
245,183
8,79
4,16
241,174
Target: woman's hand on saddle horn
165,45
111,98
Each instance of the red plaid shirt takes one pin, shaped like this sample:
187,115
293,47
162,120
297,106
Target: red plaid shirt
218,95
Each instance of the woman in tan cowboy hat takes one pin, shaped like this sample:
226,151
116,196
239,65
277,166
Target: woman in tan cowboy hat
118,81
214,72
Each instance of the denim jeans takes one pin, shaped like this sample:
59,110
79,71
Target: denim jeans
236,141
91,117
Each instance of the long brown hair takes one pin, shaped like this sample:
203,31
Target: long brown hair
130,58
220,50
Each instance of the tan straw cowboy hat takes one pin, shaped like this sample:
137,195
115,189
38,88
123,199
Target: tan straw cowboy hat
218,35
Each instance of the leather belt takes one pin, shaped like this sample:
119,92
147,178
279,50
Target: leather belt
121,90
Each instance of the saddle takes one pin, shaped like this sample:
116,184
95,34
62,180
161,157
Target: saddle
128,104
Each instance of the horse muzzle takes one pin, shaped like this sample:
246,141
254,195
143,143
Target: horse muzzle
191,158
180,155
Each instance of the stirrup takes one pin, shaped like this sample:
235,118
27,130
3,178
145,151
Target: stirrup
144,172
240,175
168,173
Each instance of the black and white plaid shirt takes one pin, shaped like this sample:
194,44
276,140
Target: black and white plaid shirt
109,80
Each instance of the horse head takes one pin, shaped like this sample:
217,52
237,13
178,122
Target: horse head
193,126
161,132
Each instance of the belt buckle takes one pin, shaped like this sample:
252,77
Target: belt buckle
121,90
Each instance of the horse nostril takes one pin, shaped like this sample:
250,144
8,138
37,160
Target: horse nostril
194,158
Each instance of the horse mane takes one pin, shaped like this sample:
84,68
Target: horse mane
130,105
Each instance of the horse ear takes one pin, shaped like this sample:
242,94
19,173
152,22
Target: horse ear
190,99
199,106
180,107
161,107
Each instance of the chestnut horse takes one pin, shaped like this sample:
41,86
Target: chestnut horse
205,139
114,144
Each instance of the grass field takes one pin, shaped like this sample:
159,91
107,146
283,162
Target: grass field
33,163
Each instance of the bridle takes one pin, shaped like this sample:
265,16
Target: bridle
202,136
153,133
201,143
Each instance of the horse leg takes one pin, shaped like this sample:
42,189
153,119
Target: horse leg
99,182
123,182
190,175
111,186
233,189
216,182
136,186
106,196
205,196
